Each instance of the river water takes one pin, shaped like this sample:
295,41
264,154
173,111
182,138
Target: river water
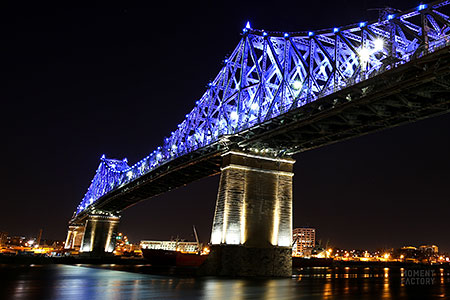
82,282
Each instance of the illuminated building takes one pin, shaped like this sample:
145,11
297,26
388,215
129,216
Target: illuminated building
429,249
190,247
16,240
304,241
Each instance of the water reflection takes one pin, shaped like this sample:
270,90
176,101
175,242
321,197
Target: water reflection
75,282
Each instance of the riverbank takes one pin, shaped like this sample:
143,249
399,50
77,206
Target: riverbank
298,262
140,265
68,260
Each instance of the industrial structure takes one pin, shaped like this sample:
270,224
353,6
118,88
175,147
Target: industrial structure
278,94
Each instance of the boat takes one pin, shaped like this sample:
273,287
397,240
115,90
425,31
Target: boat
177,256
160,257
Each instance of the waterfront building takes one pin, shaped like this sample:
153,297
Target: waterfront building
16,240
188,247
304,241
429,249
3,238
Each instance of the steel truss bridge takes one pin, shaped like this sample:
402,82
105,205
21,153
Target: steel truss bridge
279,94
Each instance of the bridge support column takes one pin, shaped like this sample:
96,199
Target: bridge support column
252,227
74,237
99,234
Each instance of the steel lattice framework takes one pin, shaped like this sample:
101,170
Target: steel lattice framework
271,73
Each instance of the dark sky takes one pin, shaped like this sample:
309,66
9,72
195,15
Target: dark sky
80,82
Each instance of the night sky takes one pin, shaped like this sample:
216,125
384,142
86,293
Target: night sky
115,80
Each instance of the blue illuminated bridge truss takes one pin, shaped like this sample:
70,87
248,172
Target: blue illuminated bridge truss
270,74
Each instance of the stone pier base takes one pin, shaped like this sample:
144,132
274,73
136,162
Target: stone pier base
238,260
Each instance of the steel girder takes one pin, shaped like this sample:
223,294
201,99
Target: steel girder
272,73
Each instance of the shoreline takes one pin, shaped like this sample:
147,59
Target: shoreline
140,265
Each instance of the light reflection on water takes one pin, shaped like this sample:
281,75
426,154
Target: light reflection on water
76,282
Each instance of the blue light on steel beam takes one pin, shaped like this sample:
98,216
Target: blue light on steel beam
362,24
422,7
310,33
335,29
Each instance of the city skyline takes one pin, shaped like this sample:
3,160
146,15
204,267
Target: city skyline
83,99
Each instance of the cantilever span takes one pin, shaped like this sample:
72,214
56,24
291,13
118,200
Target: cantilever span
270,74
278,94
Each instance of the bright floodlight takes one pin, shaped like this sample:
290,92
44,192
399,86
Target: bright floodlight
296,85
234,115
248,25
254,106
378,44
364,55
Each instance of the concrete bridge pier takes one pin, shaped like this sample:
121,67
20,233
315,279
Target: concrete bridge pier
96,236
100,234
74,236
252,227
